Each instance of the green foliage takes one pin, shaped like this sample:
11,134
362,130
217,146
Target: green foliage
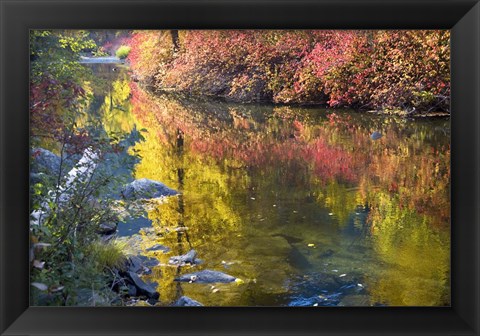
122,52
107,255
55,53
62,94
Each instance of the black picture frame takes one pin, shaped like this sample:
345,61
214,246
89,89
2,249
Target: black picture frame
18,16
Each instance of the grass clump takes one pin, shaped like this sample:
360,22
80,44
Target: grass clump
108,255
122,52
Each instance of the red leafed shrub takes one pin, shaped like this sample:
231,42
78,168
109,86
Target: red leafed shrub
362,69
392,69
49,98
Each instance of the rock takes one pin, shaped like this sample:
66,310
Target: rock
376,135
206,276
107,228
141,264
189,258
146,189
152,301
158,247
109,237
134,264
149,262
132,290
142,287
185,301
45,162
36,178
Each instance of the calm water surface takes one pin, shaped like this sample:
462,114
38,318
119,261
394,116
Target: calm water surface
299,203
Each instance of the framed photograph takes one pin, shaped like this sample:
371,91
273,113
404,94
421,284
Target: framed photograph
232,167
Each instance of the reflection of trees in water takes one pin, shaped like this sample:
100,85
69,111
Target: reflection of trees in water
233,163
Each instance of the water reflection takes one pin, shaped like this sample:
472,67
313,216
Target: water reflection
301,204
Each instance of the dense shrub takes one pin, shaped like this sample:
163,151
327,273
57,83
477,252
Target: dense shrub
363,69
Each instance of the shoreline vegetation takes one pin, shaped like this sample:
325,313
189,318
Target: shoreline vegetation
77,188
404,73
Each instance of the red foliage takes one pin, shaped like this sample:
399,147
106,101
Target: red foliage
374,69
48,99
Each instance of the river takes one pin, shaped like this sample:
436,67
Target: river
299,203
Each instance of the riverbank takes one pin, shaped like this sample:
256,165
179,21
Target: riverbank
189,95
396,72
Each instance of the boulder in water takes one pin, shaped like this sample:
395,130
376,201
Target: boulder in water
206,276
185,301
142,287
146,189
188,258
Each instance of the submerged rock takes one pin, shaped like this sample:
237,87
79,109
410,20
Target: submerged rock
298,260
188,258
146,189
206,276
159,247
185,301
142,287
